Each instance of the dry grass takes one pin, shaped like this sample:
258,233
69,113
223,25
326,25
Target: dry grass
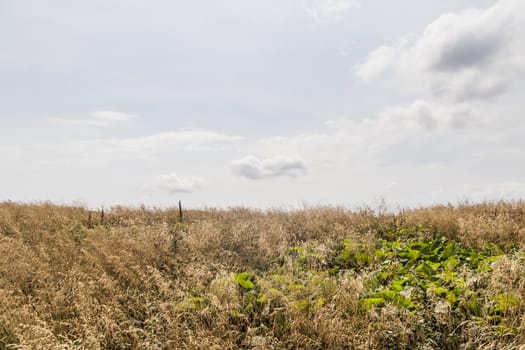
141,280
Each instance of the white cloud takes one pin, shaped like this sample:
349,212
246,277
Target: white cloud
96,119
431,116
411,133
174,184
377,62
113,149
472,54
256,168
194,140
111,116
329,10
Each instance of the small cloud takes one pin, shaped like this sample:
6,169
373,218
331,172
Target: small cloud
328,10
255,168
96,119
175,184
196,140
111,116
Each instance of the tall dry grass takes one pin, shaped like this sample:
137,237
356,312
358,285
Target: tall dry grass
140,280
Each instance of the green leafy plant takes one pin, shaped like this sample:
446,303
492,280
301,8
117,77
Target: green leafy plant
425,267
244,280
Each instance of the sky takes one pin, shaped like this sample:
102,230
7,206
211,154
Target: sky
261,103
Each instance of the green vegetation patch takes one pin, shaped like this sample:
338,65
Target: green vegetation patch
244,280
411,273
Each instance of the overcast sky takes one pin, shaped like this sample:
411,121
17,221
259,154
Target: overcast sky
265,103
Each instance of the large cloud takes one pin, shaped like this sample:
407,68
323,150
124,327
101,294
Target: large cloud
473,54
409,133
255,168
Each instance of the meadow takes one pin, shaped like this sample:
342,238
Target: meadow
442,277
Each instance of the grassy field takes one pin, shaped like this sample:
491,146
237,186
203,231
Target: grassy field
446,277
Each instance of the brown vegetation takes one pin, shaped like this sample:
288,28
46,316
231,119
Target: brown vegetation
239,278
